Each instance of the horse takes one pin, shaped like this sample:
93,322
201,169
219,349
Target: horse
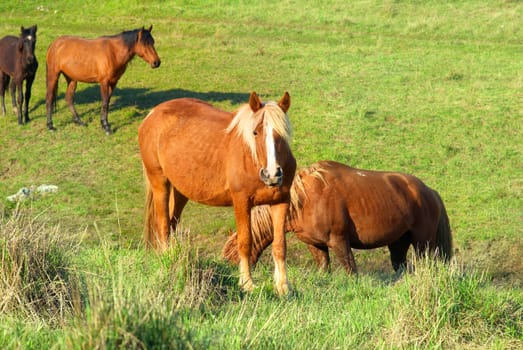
192,150
18,62
102,60
334,206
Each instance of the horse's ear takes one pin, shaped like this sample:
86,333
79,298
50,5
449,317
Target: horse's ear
21,42
34,28
150,28
285,102
254,102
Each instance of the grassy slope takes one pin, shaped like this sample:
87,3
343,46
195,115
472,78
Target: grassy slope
430,88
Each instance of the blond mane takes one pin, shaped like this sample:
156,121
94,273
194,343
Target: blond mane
245,121
297,188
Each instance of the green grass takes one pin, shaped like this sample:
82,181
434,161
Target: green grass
429,88
124,298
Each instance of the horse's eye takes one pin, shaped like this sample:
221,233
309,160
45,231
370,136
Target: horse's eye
255,133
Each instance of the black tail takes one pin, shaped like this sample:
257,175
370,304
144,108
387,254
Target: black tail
443,234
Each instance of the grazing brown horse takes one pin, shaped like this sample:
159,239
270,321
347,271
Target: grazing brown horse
18,62
337,207
191,150
102,60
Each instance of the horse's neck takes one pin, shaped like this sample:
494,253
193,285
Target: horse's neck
125,53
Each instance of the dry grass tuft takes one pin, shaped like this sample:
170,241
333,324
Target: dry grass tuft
35,279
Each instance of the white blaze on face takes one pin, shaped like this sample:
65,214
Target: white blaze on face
271,150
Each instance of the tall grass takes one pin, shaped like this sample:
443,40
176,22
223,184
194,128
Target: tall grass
103,298
36,280
452,307
116,297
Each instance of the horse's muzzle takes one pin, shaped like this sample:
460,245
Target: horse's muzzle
275,179
156,64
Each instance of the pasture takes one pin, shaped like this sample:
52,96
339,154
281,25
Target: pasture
430,88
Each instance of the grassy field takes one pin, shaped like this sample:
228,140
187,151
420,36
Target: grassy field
429,88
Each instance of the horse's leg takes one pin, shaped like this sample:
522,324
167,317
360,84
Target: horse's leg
16,86
341,246
242,214
321,256
398,252
279,247
160,188
178,203
28,85
4,83
424,245
50,95
106,90
69,98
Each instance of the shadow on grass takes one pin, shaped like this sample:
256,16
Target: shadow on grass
141,98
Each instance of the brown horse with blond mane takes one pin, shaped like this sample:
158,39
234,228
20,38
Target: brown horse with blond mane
334,206
191,150
102,60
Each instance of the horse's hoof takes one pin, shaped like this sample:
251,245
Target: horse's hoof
51,128
80,123
248,287
108,132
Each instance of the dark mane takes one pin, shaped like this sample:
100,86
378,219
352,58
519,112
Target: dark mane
129,37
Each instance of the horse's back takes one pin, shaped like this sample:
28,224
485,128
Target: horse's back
379,206
180,126
8,53
8,42
66,47
182,113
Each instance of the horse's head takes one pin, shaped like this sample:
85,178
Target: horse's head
27,43
145,47
266,129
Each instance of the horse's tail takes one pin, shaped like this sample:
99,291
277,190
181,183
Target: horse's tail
262,236
443,233
149,229
53,102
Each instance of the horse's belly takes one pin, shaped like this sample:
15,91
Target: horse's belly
377,235
203,192
311,237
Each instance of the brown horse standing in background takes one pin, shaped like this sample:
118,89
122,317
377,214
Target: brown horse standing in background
191,150
102,60
18,62
337,207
